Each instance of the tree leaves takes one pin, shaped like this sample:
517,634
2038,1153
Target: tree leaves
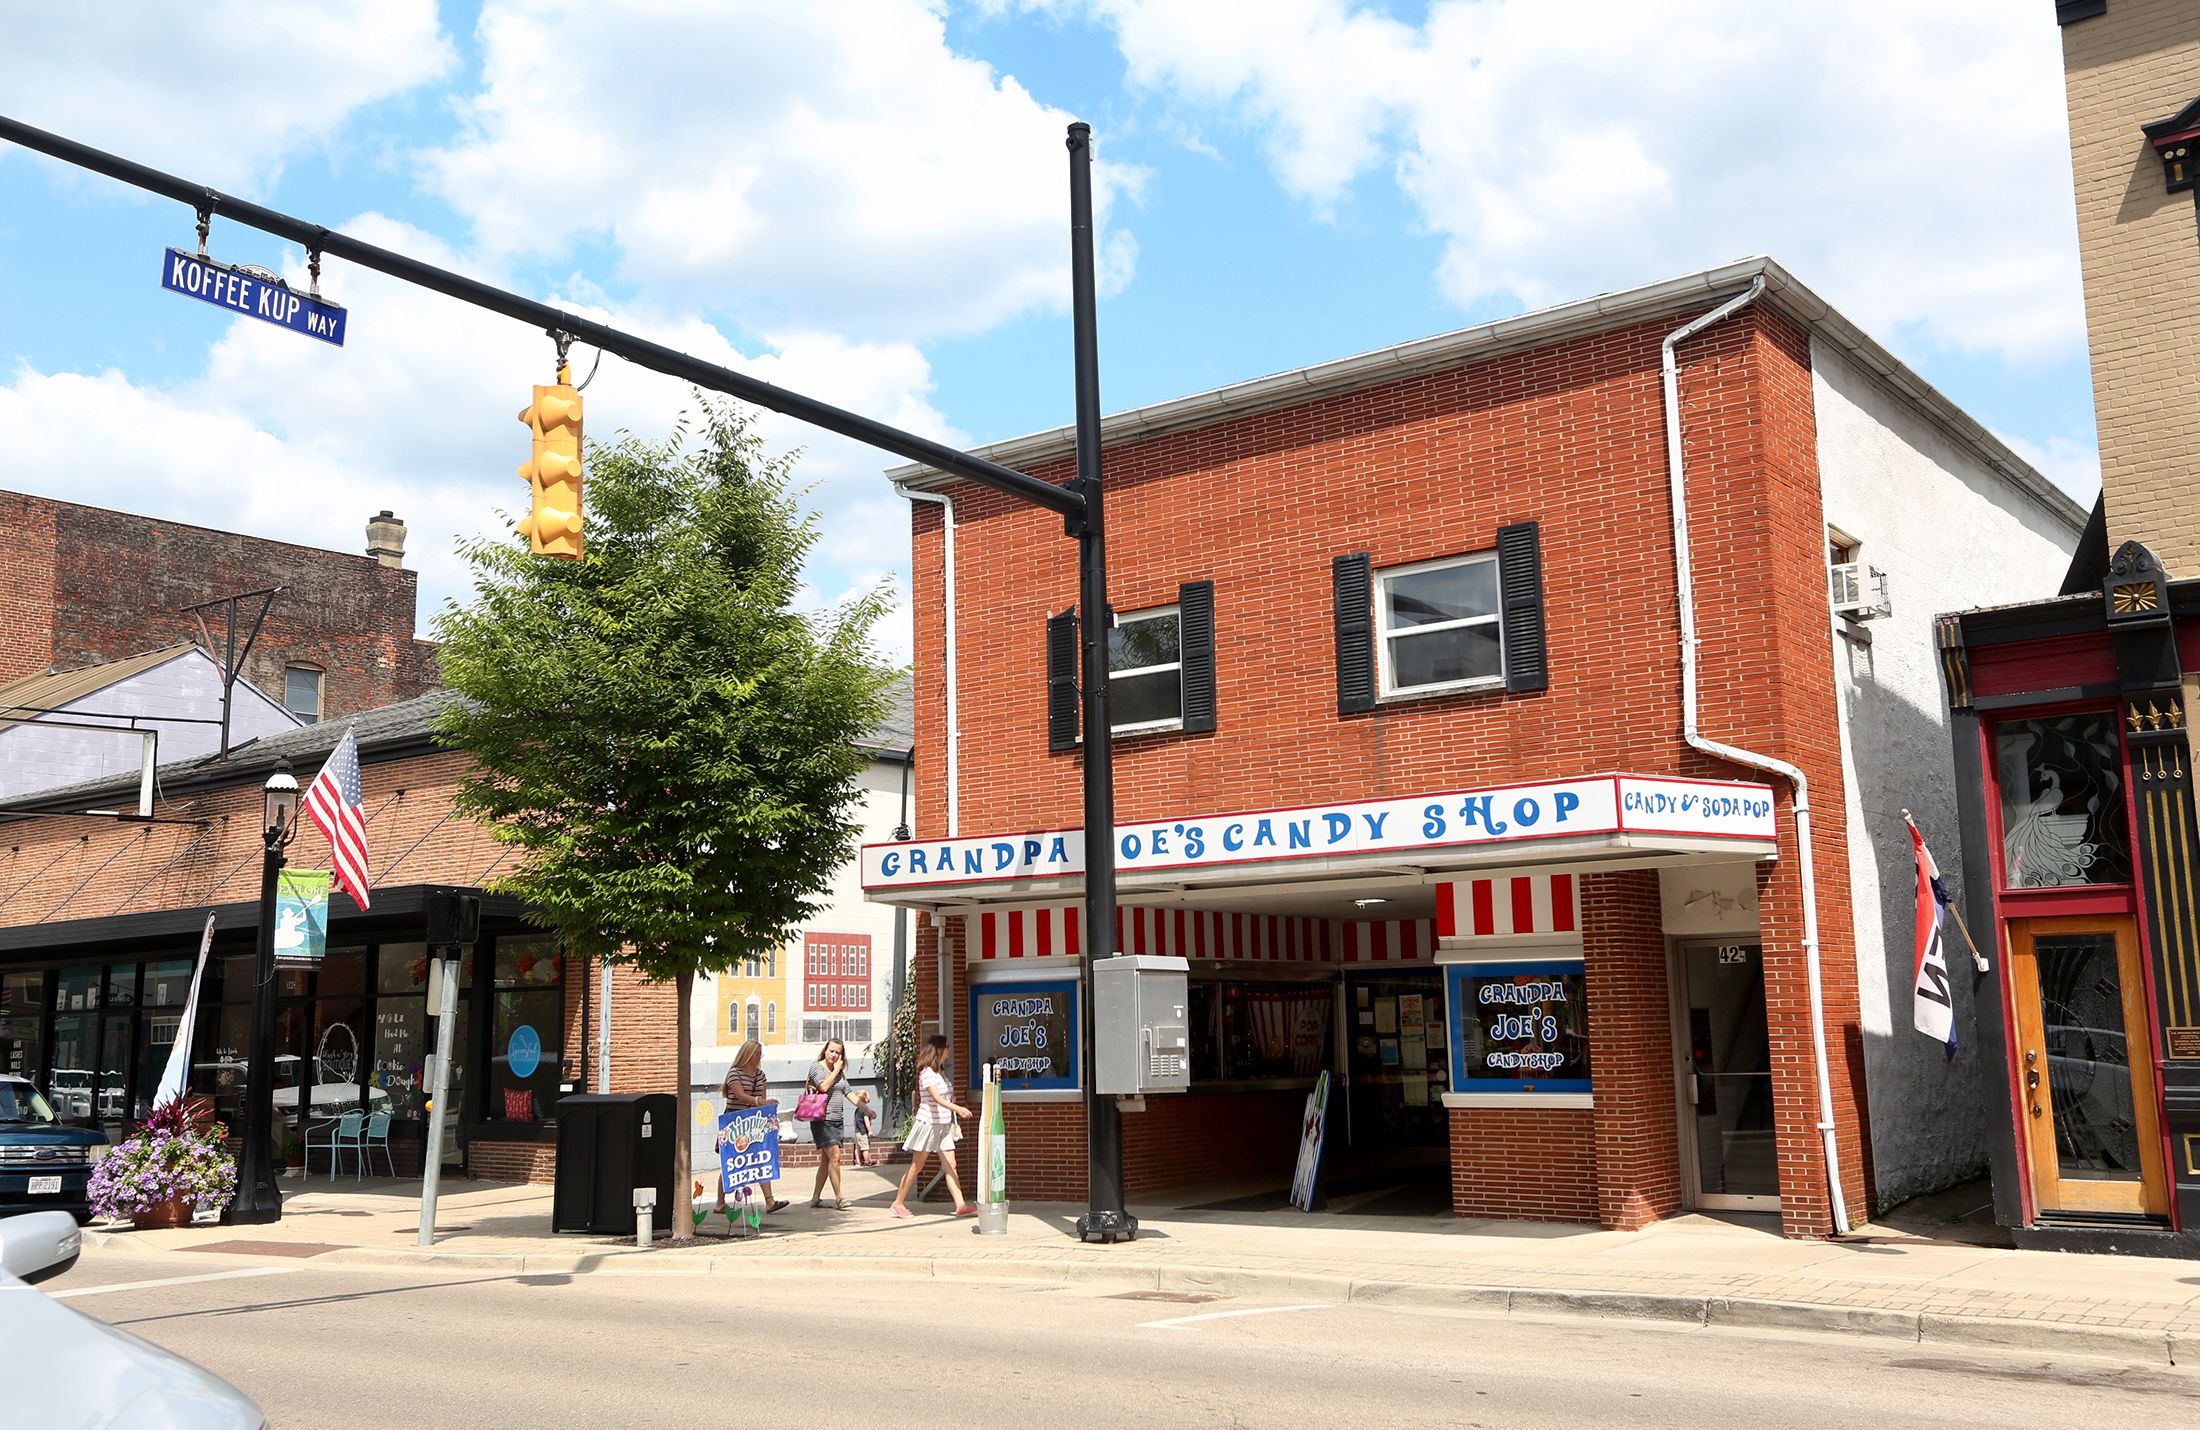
670,743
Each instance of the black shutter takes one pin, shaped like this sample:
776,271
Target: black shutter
1520,579
1354,577
1195,623
1062,681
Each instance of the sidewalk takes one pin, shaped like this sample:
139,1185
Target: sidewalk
1692,1269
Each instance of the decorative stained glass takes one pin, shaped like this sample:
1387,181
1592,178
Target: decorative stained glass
2062,802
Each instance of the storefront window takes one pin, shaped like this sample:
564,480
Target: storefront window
122,985
75,1064
1245,1031
343,971
1518,1027
156,1039
400,1051
168,983
114,1075
527,1031
401,968
76,990
22,1020
2062,801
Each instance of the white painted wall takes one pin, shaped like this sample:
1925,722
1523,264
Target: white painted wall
38,755
1951,534
845,911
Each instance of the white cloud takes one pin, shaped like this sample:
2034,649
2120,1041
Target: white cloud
1911,162
2072,463
834,167
221,90
287,438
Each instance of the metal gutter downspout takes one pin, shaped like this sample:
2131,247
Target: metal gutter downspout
954,730
1670,375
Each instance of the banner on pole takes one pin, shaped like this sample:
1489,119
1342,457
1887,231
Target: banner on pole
175,1079
301,917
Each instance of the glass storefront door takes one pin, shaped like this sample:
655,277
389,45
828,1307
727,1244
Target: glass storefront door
2086,1076
1726,1098
1395,1059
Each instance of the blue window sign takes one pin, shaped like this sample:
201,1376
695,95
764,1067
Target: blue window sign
523,1051
1518,1027
1028,1031
240,291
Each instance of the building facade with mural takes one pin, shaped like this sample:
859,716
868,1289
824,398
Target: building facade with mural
1464,694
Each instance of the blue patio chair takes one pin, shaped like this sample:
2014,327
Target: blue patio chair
378,1139
344,1134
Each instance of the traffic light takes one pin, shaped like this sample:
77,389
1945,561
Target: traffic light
554,526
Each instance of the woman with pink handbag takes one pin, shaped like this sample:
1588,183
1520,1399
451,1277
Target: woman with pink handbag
824,1106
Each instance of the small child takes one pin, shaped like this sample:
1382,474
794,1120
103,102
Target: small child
863,1117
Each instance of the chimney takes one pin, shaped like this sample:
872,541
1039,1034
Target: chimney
386,539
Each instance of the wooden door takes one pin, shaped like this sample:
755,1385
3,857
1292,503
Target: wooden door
2085,1067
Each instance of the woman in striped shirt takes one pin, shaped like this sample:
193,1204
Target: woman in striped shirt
746,1086
935,1129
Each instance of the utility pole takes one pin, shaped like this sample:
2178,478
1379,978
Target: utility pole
1105,1219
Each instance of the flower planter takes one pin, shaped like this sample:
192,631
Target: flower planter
176,1211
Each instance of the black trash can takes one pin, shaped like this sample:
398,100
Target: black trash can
609,1144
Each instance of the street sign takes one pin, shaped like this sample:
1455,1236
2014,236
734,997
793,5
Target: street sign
241,291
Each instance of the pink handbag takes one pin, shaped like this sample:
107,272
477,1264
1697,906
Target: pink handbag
811,1108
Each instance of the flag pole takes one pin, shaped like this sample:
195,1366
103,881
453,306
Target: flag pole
1978,959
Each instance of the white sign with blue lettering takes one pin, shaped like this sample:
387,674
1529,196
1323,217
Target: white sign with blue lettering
269,300
1600,804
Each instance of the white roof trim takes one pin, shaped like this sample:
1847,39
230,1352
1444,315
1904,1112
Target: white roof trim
1530,330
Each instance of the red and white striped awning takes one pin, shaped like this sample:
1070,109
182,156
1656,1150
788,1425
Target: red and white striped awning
1388,940
1508,906
1027,933
1203,933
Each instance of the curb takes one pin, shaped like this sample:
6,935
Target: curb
2160,1347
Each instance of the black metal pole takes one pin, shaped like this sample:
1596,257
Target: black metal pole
640,351
258,1199
1105,1218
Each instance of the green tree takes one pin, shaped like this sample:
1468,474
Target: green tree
669,742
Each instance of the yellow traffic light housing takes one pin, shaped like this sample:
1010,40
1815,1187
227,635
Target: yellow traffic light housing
554,472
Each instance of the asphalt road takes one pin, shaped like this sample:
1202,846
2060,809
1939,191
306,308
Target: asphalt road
333,1346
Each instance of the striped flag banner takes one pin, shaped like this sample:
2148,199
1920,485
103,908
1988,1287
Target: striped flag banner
337,809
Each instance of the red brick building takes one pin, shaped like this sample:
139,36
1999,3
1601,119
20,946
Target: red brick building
1401,767
100,921
87,585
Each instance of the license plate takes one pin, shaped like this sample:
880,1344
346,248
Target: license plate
44,1184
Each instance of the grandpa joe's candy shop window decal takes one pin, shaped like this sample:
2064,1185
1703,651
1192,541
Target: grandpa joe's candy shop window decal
1518,1027
1028,1031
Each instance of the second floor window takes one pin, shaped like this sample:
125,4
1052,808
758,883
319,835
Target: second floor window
1439,625
302,692
1146,670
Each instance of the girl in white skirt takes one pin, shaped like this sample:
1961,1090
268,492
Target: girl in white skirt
935,1129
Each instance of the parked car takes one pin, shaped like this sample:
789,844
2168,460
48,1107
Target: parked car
62,1367
45,1162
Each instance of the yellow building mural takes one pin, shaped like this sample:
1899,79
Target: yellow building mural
752,1002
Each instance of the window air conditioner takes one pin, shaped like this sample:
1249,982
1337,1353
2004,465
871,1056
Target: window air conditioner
1860,591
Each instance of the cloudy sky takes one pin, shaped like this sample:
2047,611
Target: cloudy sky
867,201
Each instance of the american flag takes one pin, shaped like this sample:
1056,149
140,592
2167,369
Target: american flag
334,803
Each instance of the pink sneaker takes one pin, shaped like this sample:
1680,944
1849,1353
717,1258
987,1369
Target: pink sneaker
966,1211
902,1211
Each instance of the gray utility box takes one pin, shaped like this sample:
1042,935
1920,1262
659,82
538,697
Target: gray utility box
1141,1024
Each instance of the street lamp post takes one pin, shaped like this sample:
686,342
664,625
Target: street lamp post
258,1199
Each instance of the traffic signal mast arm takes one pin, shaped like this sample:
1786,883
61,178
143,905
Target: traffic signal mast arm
640,351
